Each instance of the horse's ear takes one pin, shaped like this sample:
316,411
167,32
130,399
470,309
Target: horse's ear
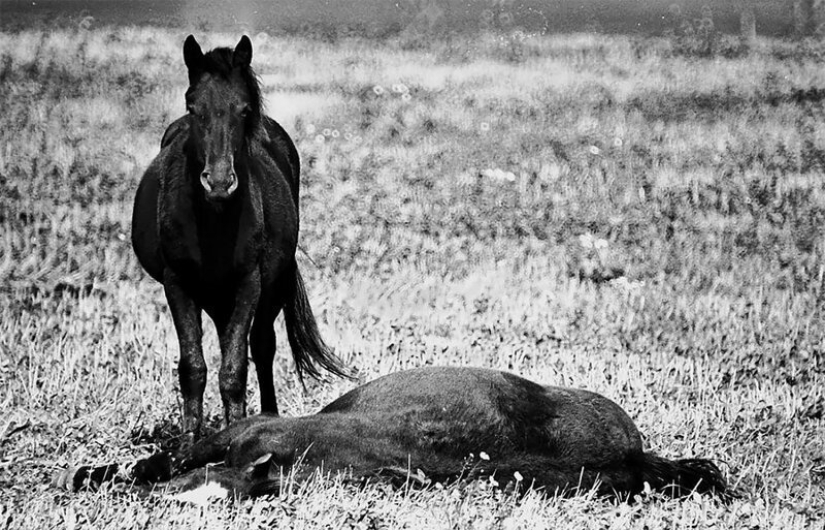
192,54
242,57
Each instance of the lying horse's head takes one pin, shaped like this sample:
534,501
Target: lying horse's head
224,104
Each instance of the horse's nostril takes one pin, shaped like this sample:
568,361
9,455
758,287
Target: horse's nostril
233,183
205,181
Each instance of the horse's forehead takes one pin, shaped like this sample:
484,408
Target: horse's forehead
218,91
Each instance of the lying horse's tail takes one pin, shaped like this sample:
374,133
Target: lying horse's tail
678,478
308,348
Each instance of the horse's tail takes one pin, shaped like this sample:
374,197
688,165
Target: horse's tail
308,348
678,478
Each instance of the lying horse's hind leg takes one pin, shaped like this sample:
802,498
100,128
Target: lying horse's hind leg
232,333
191,367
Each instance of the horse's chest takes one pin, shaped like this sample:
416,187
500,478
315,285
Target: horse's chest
211,247
210,257
225,255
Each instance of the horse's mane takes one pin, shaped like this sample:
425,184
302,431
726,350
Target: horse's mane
219,62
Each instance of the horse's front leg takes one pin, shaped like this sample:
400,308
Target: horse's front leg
233,334
159,467
191,367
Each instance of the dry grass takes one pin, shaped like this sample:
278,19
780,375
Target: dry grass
582,210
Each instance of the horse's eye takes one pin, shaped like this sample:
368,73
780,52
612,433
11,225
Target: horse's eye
245,112
197,115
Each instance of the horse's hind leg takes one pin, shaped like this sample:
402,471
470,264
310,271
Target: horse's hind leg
262,341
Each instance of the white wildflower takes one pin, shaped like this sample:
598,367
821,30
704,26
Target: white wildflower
499,174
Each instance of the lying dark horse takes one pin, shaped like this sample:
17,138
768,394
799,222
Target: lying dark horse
216,221
434,420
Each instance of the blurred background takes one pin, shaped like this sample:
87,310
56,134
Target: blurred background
388,17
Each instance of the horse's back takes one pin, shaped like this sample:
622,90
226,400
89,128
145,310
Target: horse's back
278,165
145,239
145,232
176,132
574,422
282,149
421,388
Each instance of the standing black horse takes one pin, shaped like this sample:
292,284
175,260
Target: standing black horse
216,221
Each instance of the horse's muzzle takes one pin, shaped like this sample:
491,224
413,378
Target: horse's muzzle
218,189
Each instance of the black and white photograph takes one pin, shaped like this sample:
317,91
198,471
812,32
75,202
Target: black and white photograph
412,264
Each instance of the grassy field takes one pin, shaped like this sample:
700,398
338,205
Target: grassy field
639,217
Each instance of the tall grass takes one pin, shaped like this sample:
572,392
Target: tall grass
604,212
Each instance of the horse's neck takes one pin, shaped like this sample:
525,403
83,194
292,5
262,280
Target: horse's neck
218,215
